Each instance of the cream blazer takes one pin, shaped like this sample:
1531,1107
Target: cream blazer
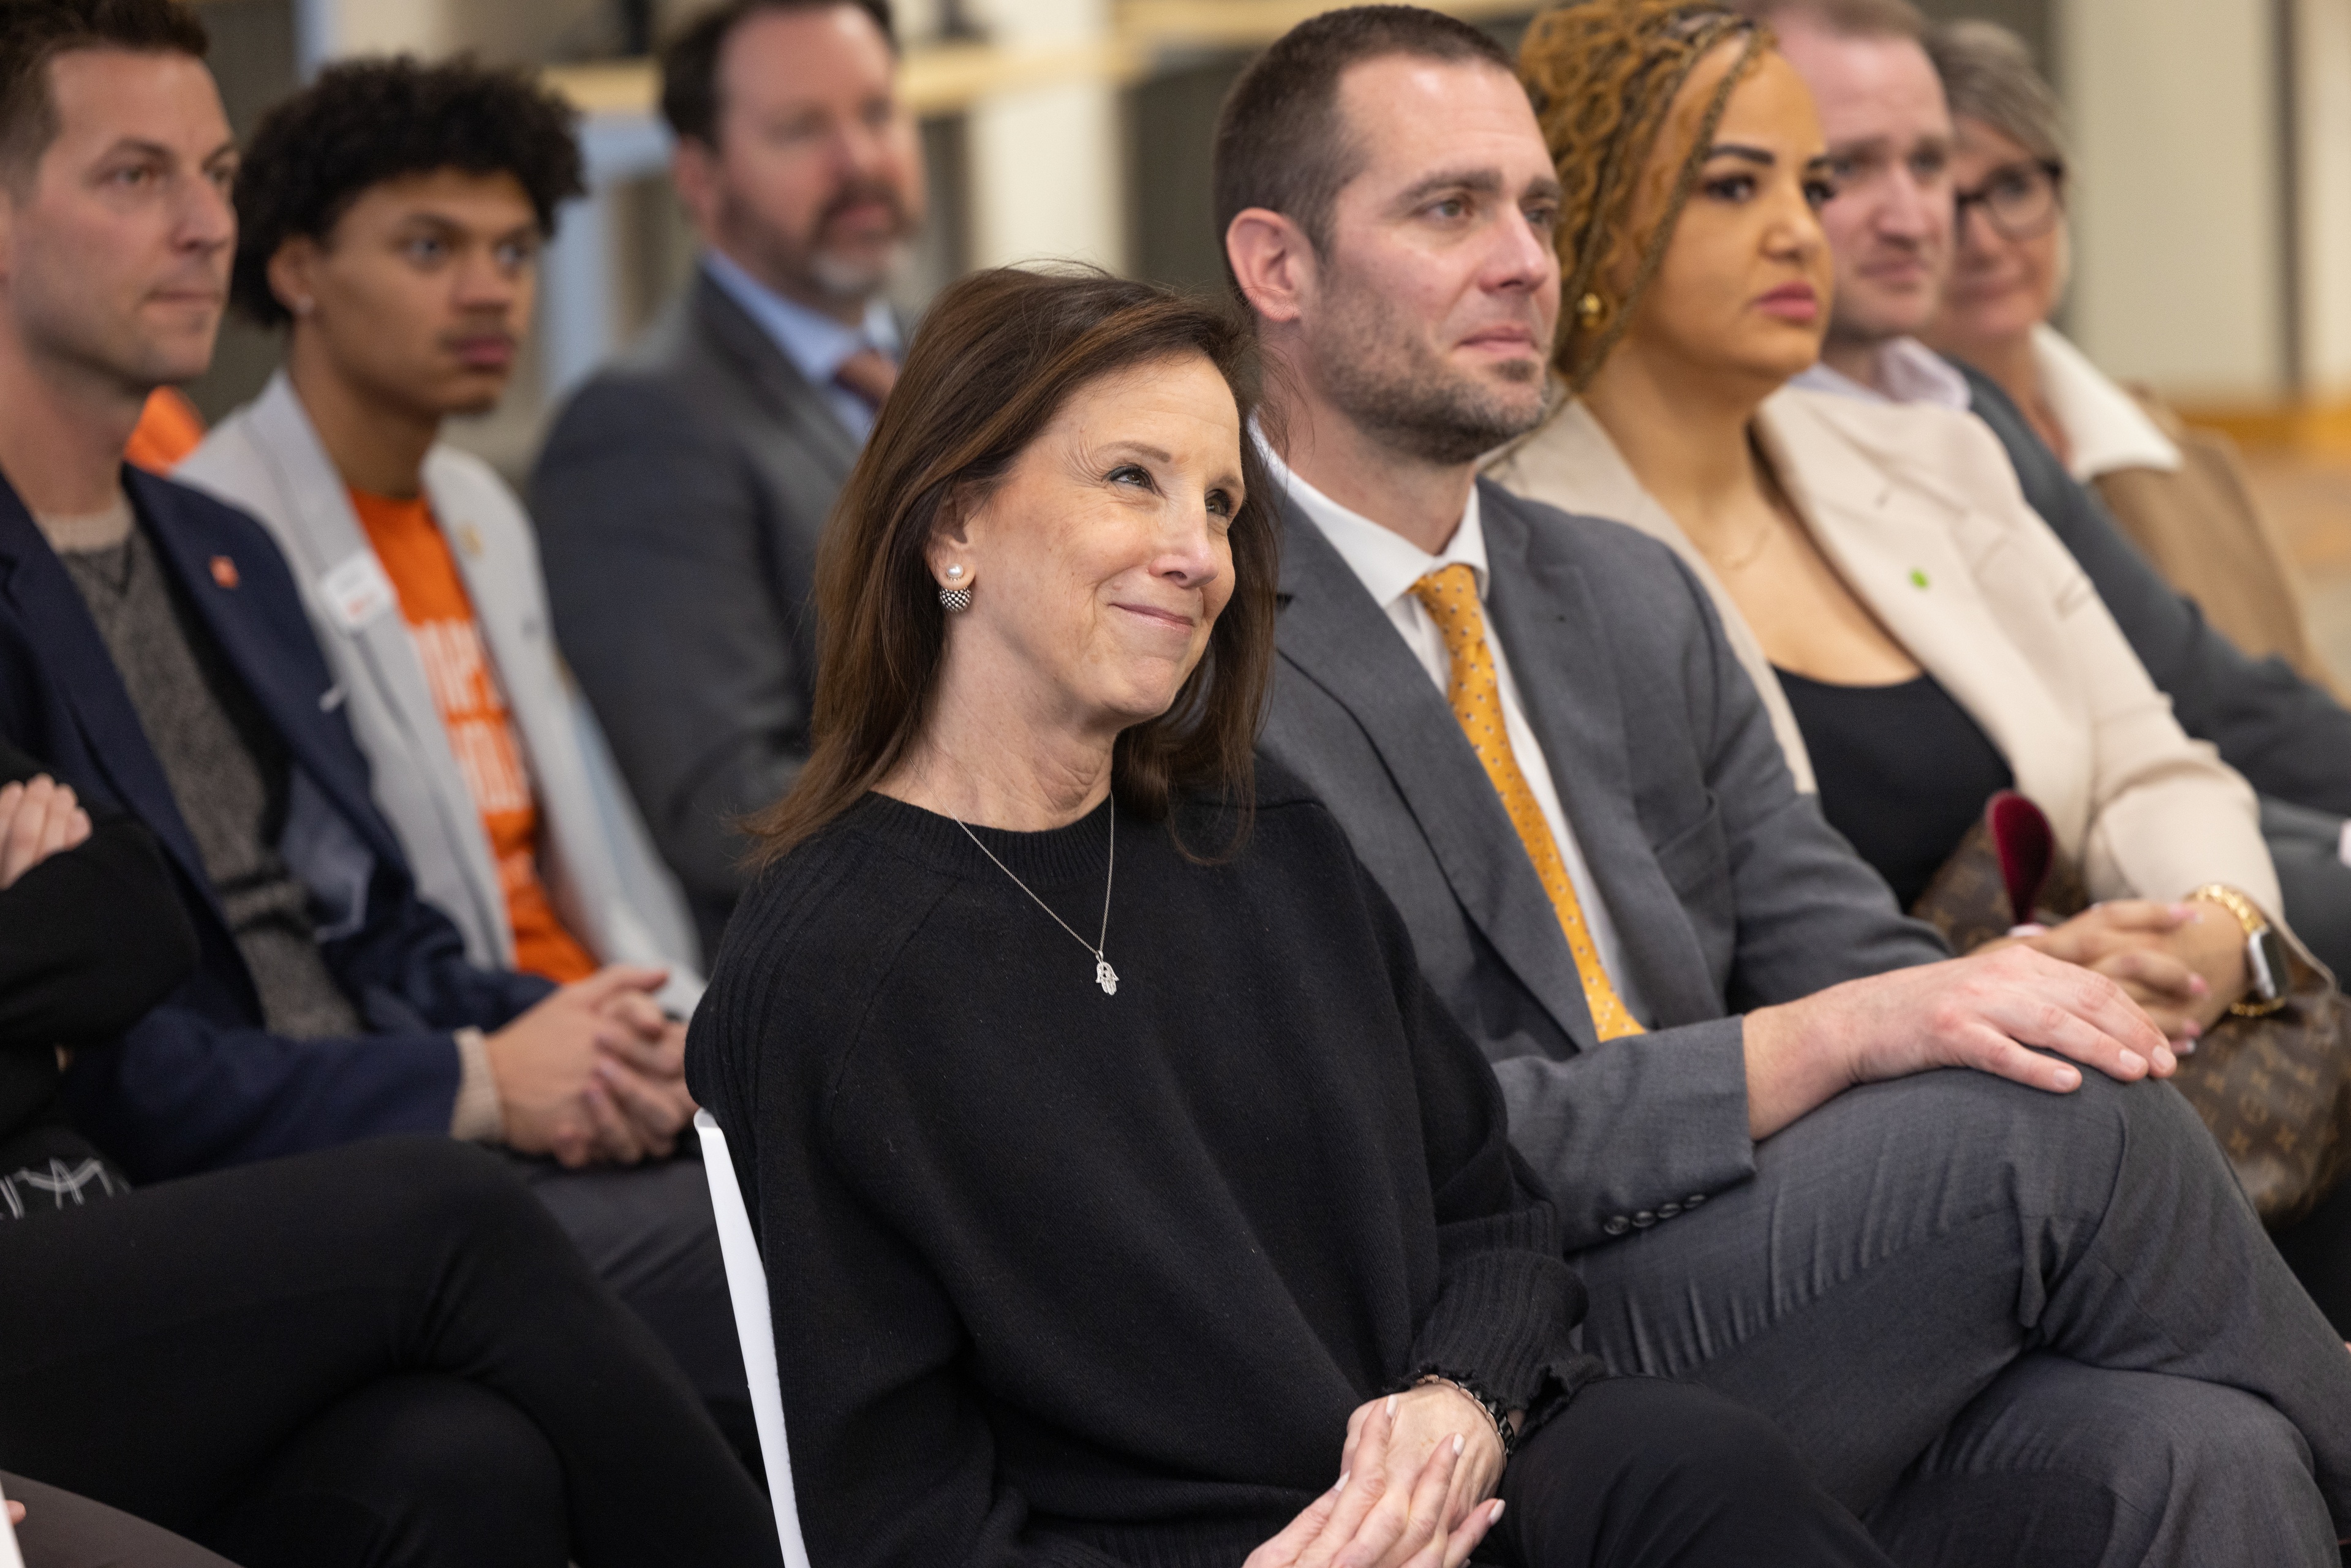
1918,510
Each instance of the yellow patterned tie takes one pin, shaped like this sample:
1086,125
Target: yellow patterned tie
1450,596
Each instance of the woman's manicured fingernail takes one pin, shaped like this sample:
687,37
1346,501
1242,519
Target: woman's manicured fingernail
1343,1480
1459,1443
2164,1061
1496,1517
2188,1047
1391,1405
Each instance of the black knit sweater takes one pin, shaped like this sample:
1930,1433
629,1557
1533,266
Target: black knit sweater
1074,1279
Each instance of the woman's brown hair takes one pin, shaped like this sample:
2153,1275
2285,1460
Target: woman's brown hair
1603,76
997,356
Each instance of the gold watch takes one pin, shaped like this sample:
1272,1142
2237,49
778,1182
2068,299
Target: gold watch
2265,950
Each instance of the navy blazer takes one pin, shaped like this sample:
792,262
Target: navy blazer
199,1084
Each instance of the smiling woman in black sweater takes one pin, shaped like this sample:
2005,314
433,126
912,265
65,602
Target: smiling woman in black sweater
1113,1163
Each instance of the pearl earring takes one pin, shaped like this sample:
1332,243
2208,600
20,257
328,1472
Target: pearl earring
955,598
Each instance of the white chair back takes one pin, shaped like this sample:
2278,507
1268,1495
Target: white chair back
746,1285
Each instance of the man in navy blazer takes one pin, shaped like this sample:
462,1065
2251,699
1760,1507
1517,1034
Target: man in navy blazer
154,652
200,1084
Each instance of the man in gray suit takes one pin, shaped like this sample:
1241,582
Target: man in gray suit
681,494
2018,1312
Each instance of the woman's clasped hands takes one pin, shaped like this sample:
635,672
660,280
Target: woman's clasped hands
2182,963
1414,1490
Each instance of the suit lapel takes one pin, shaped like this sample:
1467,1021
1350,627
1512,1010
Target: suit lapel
1917,554
1570,463
51,608
327,537
799,407
1334,635
502,581
1543,611
286,679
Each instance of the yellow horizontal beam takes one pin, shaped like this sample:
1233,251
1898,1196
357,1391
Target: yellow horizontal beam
2318,428
937,80
1247,24
621,87
943,78
946,78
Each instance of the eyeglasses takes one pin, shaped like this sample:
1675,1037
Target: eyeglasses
2020,201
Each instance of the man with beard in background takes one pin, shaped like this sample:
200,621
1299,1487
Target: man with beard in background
681,493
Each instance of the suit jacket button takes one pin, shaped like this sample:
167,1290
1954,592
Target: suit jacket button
1643,1220
1693,1200
1667,1211
1617,1225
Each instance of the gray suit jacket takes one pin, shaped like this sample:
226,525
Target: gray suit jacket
1728,889
679,500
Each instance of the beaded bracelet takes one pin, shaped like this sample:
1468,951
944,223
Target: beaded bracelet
1501,1418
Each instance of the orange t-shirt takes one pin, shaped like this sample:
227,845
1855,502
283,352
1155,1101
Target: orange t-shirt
440,616
168,429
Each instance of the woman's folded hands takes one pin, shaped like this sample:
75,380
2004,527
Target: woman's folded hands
1414,1490
2184,962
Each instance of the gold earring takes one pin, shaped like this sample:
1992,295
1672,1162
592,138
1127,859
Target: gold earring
1592,312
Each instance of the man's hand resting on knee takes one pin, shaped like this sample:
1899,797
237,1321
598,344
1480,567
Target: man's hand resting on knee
1994,1012
594,1073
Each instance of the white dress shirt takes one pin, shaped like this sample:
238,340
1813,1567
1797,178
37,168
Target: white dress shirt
1388,564
1908,371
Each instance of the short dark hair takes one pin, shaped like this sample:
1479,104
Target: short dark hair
689,65
1000,353
1280,143
35,32
366,121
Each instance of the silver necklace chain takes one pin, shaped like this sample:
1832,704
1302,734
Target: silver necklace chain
1104,976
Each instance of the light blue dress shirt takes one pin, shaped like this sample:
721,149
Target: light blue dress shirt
815,343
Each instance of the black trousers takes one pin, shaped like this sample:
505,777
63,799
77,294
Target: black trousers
386,1355
1637,1472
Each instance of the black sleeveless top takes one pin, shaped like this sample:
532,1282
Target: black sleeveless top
1904,771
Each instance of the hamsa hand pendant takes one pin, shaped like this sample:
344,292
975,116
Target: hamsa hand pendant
1105,976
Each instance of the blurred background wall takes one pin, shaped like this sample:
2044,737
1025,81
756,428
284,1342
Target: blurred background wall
2212,187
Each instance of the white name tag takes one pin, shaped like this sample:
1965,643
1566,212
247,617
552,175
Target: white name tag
357,591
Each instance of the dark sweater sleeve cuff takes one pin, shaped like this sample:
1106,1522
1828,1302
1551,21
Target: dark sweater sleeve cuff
1505,1314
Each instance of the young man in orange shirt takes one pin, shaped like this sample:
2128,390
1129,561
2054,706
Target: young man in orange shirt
391,223
391,219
